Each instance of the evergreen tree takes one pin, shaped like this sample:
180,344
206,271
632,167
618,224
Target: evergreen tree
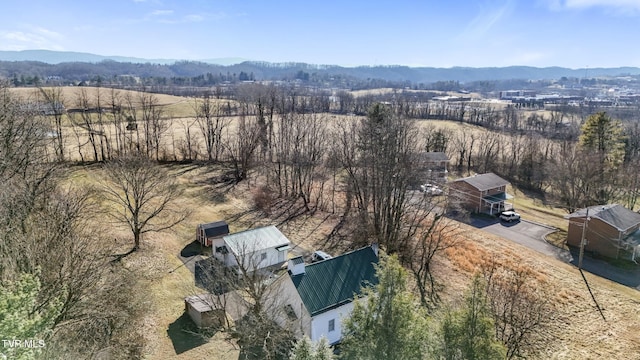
21,319
604,136
387,323
302,350
323,350
603,140
469,332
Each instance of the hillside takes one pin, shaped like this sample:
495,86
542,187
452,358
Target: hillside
575,331
84,66
164,277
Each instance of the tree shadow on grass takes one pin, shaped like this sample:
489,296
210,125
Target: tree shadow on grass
185,335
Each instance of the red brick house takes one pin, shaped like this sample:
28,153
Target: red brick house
612,231
482,193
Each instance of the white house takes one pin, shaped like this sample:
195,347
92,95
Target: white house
318,297
253,249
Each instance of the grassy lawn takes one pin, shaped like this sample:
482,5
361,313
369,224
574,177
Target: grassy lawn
558,239
532,208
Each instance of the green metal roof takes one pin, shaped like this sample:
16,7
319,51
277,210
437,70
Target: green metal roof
330,283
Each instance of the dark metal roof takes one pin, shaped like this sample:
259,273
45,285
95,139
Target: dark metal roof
216,228
484,182
613,214
333,282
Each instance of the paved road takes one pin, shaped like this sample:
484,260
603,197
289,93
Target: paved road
525,233
628,277
532,236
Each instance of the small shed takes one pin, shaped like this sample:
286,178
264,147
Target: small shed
209,310
208,234
203,310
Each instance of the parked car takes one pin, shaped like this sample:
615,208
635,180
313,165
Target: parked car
510,216
319,256
430,189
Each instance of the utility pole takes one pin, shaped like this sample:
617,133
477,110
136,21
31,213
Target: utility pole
582,241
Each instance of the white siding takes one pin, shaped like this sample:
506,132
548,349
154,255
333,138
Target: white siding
254,260
286,291
195,315
320,323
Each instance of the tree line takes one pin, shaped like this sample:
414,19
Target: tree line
283,132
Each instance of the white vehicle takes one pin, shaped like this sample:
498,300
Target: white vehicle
430,189
319,256
510,216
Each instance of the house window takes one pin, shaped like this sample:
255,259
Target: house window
263,256
332,325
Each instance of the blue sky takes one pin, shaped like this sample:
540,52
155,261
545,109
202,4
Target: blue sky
439,33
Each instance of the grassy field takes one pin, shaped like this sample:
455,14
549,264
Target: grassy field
575,332
533,209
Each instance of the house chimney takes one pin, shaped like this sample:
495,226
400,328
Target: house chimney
296,266
375,248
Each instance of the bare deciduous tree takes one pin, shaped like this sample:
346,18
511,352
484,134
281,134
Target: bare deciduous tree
430,235
242,145
246,290
299,148
571,177
142,195
154,123
211,124
82,118
378,155
54,99
519,305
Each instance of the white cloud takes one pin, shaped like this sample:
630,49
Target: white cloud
37,38
48,33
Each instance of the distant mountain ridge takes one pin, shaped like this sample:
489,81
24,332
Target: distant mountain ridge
76,65
57,57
